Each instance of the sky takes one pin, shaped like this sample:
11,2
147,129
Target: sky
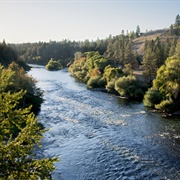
24,21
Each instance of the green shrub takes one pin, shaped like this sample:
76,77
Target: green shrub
110,86
53,65
128,86
93,82
152,97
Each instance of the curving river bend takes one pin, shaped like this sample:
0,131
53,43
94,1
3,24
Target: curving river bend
99,136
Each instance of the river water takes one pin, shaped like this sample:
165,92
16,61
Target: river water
99,136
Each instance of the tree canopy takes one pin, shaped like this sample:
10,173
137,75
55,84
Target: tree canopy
19,136
165,93
53,65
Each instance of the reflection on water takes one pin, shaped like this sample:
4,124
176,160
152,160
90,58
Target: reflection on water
99,136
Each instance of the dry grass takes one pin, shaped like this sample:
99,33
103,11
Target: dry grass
138,43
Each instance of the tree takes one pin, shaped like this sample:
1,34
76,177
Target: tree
171,31
15,79
153,58
128,86
177,50
54,65
159,52
129,55
165,93
177,21
19,135
138,31
149,65
7,55
173,46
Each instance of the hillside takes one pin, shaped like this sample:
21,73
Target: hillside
138,43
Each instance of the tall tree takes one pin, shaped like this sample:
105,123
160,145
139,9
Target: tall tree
177,21
173,46
149,66
138,31
177,50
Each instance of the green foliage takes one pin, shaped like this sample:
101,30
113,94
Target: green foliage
96,82
152,97
110,86
127,70
120,51
19,135
129,87
14,79
175,28
100,64
41,52
166,86
7,55
89,69
111,75
53,65
153,58
177,49
177,21
138,31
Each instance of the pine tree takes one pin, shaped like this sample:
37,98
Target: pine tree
173,47
177,50
138,31
177,21
149,65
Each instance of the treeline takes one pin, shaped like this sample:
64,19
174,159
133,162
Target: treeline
119,50
63,51
114,70
161,75
41,52
101,63
8,55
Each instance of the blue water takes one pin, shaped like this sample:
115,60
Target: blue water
99,136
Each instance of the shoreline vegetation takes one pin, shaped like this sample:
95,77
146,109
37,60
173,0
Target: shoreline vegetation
20,131
126,64
138,66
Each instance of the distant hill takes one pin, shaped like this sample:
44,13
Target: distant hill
138,43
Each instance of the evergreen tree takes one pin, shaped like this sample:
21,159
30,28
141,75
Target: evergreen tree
166,48
177,50
177,21
159,53
173,46
138,31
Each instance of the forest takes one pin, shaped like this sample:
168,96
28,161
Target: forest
127,64
134,65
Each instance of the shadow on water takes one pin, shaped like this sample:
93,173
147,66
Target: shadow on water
100,136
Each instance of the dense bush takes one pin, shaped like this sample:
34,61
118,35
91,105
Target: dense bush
128,86
165,94
94,70
89,69
14,79
152,97
53,65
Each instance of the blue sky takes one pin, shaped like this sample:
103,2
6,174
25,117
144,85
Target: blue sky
44,20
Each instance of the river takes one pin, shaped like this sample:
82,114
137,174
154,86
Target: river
99,136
